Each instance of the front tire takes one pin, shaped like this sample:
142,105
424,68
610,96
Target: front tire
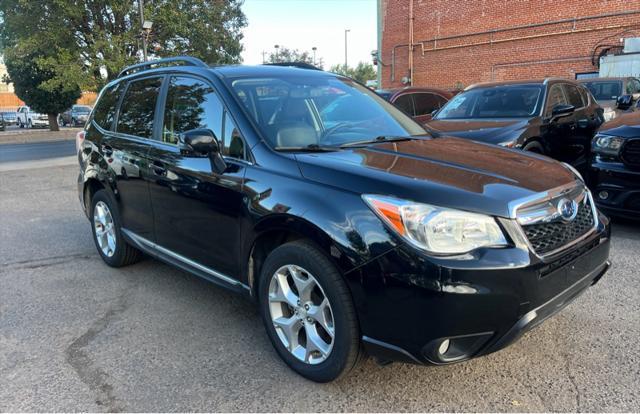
107,234
308,312
534,146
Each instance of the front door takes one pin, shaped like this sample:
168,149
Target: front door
197,210
559,134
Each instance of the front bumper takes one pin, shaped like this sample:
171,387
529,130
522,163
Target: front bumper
409,304
621,186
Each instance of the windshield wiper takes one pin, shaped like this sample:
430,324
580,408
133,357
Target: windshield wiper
376,140
308,148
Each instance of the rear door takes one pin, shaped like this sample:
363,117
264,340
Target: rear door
126,149
197,210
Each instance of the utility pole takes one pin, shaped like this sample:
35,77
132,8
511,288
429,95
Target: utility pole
144,37
314,55
345,47
263,55
277,47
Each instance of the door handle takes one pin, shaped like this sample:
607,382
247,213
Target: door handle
107,150
158,169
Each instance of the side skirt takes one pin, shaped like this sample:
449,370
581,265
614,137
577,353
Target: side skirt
184,263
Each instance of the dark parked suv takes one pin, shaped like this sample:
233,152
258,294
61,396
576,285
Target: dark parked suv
350,228
616,166
555,117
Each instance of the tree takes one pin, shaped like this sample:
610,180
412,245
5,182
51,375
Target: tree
30,80
362,72
294,55
97,38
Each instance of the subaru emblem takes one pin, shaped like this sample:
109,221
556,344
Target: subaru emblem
568,209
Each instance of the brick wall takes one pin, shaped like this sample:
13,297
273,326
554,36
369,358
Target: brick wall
547,49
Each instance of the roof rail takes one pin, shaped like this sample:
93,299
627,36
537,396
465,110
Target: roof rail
186,61
300,65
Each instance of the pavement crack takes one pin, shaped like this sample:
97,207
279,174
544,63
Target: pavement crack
89,373
44,262
573,382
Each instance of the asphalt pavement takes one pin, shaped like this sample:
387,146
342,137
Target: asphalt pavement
77,335
36,151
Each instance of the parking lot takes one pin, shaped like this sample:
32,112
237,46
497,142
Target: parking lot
77,335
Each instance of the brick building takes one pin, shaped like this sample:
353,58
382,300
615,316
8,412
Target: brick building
457,43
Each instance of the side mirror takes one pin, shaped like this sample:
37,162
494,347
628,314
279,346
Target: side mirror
201,140
560,111
204,141
624,102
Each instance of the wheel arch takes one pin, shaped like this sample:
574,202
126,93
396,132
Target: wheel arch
274,231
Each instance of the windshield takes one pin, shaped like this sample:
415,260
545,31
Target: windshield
81,109
512,101
604,91
304,111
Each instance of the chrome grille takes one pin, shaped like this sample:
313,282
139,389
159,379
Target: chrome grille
542,222
547,237
630,154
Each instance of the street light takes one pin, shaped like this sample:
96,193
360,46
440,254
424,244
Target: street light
276,47
314,55
146,29
345,47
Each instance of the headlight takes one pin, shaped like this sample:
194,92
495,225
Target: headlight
607,144
435,229
508,144
609,114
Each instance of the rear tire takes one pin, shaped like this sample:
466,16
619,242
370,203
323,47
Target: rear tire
323,325
107,234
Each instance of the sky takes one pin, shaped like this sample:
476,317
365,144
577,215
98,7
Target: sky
303,24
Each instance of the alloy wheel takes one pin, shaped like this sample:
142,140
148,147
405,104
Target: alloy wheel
301,314
104,228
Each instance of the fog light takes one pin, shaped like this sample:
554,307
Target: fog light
603,195
444,347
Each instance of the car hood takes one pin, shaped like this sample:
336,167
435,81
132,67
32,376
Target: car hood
625,125
491,131
449,172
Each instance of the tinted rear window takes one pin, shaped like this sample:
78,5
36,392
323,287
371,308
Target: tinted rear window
138,107
105,109
604,90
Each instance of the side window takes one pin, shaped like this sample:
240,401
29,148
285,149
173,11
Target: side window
634,86
405,102
191,104
584,94
555,97
425,103
138,107
573,95
232,142
441,101
105,110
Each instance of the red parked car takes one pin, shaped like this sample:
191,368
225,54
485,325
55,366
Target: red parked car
417,102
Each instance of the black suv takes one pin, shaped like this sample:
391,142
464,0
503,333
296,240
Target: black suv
555,117
349,226
616,166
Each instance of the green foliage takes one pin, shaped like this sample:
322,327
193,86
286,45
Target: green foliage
32,83
362,72
294,55
90,41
